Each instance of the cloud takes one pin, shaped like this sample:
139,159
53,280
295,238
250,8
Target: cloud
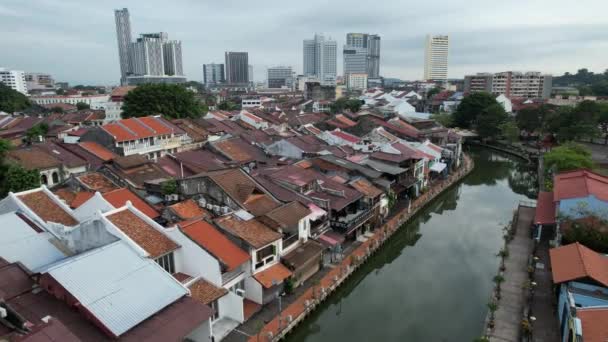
76,42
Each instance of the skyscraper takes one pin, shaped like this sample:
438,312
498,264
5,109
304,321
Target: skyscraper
172,57
280,76
320,59
146,55
123,37
362,48
237,67
213,74
436,58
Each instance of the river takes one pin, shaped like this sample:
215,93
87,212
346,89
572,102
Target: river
432,280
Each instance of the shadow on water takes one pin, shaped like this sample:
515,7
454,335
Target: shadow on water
431,280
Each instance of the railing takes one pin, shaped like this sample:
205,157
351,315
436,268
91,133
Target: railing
157,146
355,221
319,229
290,241
230,276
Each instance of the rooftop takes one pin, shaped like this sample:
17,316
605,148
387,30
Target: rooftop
545,208
97,150
580,183
575,261
216,243
188,209
33,158
593,321
274,274
142,233
289,215
118,198
205,292
46,207
96,181
252,232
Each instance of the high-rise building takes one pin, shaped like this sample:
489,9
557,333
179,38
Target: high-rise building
436,58
279,77
123,37
355,81
320,59
15,79
512,84
153,58
250,73
39,81
359,45
237,67
213,74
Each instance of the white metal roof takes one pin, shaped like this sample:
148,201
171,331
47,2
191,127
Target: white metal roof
120,288
21,243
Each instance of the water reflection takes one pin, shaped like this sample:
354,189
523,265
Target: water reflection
432,280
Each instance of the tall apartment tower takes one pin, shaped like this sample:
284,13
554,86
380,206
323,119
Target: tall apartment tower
146,55
359,45
172,57
15,79
213,74
123,37
436,58
237,67
320,59
280,76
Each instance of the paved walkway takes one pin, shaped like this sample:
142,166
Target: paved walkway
511,305
544,302
307,301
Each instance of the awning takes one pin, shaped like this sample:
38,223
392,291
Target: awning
273,275
545,208
316,212
438,166
331,239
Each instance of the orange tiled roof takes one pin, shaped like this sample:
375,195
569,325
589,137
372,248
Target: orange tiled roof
119,133
118,198
216,243
98,150
575,261
366,188
156,124
188,209
81,197
205,292
44,206
276,273
594,325
95,181
253,232
148,238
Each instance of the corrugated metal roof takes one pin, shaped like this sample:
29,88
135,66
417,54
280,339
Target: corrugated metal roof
113,283
19,242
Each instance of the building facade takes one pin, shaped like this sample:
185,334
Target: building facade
237,67
172,58
358,44
279,77
320,59
213,74
15,79
123,37
356,81
39,81
512,84
436,58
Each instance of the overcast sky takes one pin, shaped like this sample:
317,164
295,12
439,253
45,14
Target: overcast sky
75,40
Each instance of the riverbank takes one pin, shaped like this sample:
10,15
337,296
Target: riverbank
526,154
310,299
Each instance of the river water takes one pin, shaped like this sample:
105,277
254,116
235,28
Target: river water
432,280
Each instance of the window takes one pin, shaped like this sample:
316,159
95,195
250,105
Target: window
265,256
238,286
166,262
55,178
44,180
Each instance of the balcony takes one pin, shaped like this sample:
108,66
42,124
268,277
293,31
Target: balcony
230,276
351,221
319,228
159,145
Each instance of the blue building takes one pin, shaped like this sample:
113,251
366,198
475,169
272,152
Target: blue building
581,277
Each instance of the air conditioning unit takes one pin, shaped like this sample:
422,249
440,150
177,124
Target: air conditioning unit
209,206
202,202
225,210
240,292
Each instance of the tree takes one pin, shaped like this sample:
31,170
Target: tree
36,131
445,119
489,121
470,107
12,100
432,92
577,123
568,157
170,100
169,187
354,105
15,178
82,106
510,131
227,105
60,92
603,121
530,119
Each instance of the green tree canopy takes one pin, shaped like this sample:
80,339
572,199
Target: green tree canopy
470,107
489,121
576,123
15,178
82,105
37,130
445,119
170,100
354,105
12,100
509,131
569,156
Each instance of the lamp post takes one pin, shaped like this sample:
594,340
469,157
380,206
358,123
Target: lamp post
275,283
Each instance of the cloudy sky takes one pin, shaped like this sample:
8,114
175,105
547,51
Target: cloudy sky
75,40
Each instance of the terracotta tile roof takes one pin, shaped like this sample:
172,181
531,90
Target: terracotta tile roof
303,254
146,236
118,132
580,183
65,156
407,153
276,273
366,188
33,158
252,232
260,204
157,124
289,215
345,136
237,150
188,209
65,194
237,184
97,150
120,92
343,119
545,208
48,210
205,292
594,325
182,277
95,181
216,243
81,197
575,261
307,143
118,198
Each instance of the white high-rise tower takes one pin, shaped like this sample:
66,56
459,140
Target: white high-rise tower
320,59
436,58
123,36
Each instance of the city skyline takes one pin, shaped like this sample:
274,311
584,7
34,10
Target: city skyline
483,37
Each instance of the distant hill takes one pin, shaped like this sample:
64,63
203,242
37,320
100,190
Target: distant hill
588,83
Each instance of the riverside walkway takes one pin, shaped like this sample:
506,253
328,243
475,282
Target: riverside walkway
299,309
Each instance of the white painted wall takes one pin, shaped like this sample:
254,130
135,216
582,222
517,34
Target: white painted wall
231,305
90,207
253,290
